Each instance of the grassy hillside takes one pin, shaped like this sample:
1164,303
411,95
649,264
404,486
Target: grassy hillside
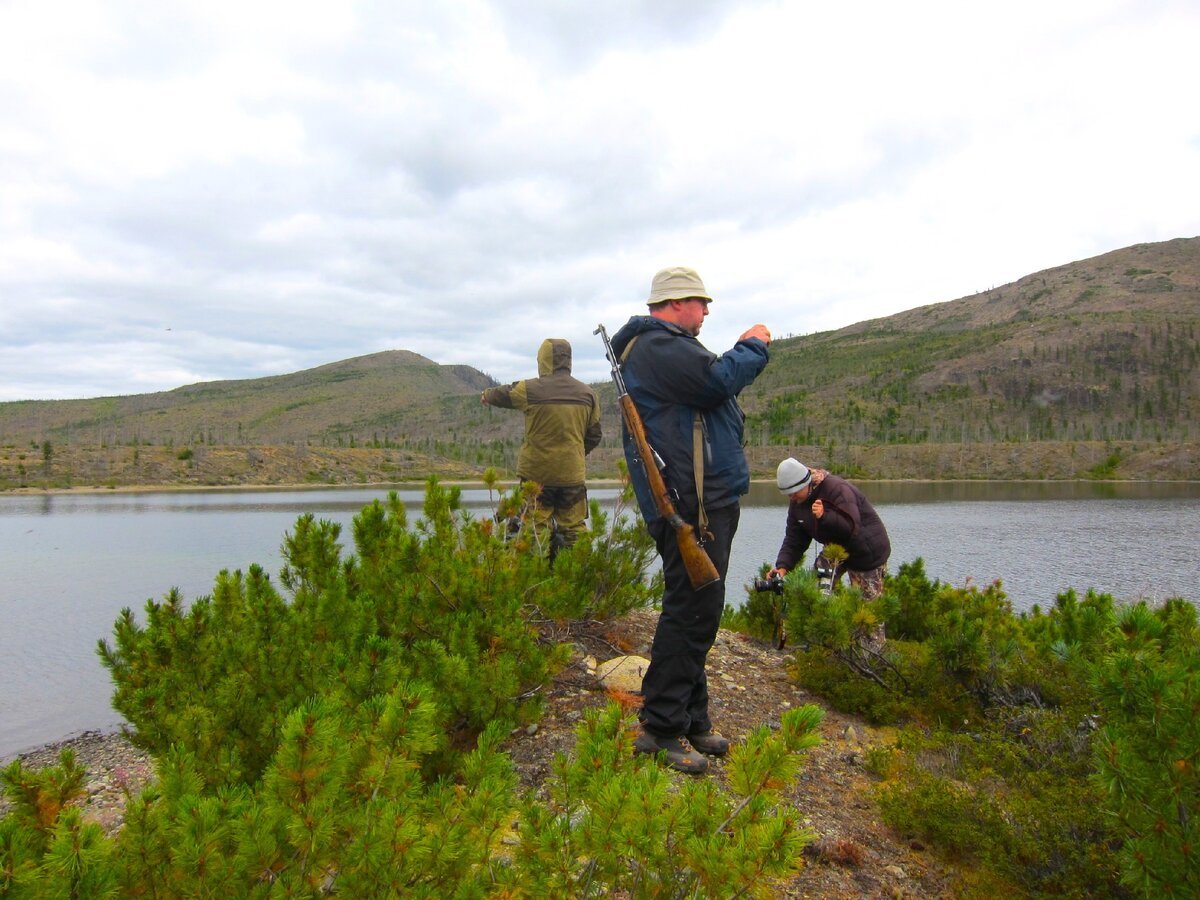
1103,349
385,397
1090,369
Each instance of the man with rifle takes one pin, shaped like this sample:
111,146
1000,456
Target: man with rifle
686,400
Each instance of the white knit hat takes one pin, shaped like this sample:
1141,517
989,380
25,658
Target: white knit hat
792,475
676,283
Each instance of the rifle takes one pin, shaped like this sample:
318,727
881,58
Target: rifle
700,568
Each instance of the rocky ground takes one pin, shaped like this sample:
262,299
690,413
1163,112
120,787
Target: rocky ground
856,855
113,766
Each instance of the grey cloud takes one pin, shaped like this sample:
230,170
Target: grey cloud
423,205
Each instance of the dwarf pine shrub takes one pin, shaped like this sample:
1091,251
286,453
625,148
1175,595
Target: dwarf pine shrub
343,808
446,600
346,737
616,824
1037,744
602,576
1148,751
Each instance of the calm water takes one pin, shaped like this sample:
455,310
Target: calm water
70,563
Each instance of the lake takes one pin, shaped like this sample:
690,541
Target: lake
70,562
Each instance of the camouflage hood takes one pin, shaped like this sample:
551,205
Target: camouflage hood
554,356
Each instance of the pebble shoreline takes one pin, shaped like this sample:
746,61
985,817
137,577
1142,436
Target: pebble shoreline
115,770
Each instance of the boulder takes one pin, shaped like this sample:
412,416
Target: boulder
623,673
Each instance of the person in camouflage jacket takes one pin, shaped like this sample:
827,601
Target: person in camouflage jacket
562,425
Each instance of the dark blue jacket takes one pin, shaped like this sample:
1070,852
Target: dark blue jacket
672,378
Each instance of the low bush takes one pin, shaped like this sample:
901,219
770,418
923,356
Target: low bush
344,809
444,600
820,672
1057,751
347,739
1011,794
1148,752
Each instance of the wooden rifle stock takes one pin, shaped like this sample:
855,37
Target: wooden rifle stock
700,569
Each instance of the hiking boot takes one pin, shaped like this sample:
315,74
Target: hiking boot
677,753
709,742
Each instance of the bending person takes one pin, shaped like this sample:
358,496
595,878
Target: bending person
830,510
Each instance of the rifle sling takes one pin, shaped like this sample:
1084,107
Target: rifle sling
698,467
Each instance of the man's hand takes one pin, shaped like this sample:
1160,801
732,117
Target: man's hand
758,331
777,571
818,508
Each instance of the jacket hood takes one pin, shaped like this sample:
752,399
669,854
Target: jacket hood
638,325
554,356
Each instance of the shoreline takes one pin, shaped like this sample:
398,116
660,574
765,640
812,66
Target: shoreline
50,749
109,727
508,483
272,487
115,770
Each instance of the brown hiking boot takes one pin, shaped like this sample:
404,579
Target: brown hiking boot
675,750
709,742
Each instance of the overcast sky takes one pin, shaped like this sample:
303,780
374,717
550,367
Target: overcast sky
194,191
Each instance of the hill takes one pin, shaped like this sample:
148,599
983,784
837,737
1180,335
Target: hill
380,396
375,418
1102,349
1089,369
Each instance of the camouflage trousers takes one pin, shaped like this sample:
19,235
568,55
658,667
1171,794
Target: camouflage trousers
568,507
869,582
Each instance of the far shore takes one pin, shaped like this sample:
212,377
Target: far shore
508,483
250,488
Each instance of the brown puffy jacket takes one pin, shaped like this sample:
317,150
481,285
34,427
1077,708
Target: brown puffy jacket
562,418
849,520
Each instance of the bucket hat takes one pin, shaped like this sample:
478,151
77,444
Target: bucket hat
676,283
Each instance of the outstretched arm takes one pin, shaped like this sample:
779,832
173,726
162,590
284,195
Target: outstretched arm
506,396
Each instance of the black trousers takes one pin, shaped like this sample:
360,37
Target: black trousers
675,687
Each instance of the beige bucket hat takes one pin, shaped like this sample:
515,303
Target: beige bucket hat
676,283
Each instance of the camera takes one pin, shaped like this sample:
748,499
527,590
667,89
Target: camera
774,583
824,575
